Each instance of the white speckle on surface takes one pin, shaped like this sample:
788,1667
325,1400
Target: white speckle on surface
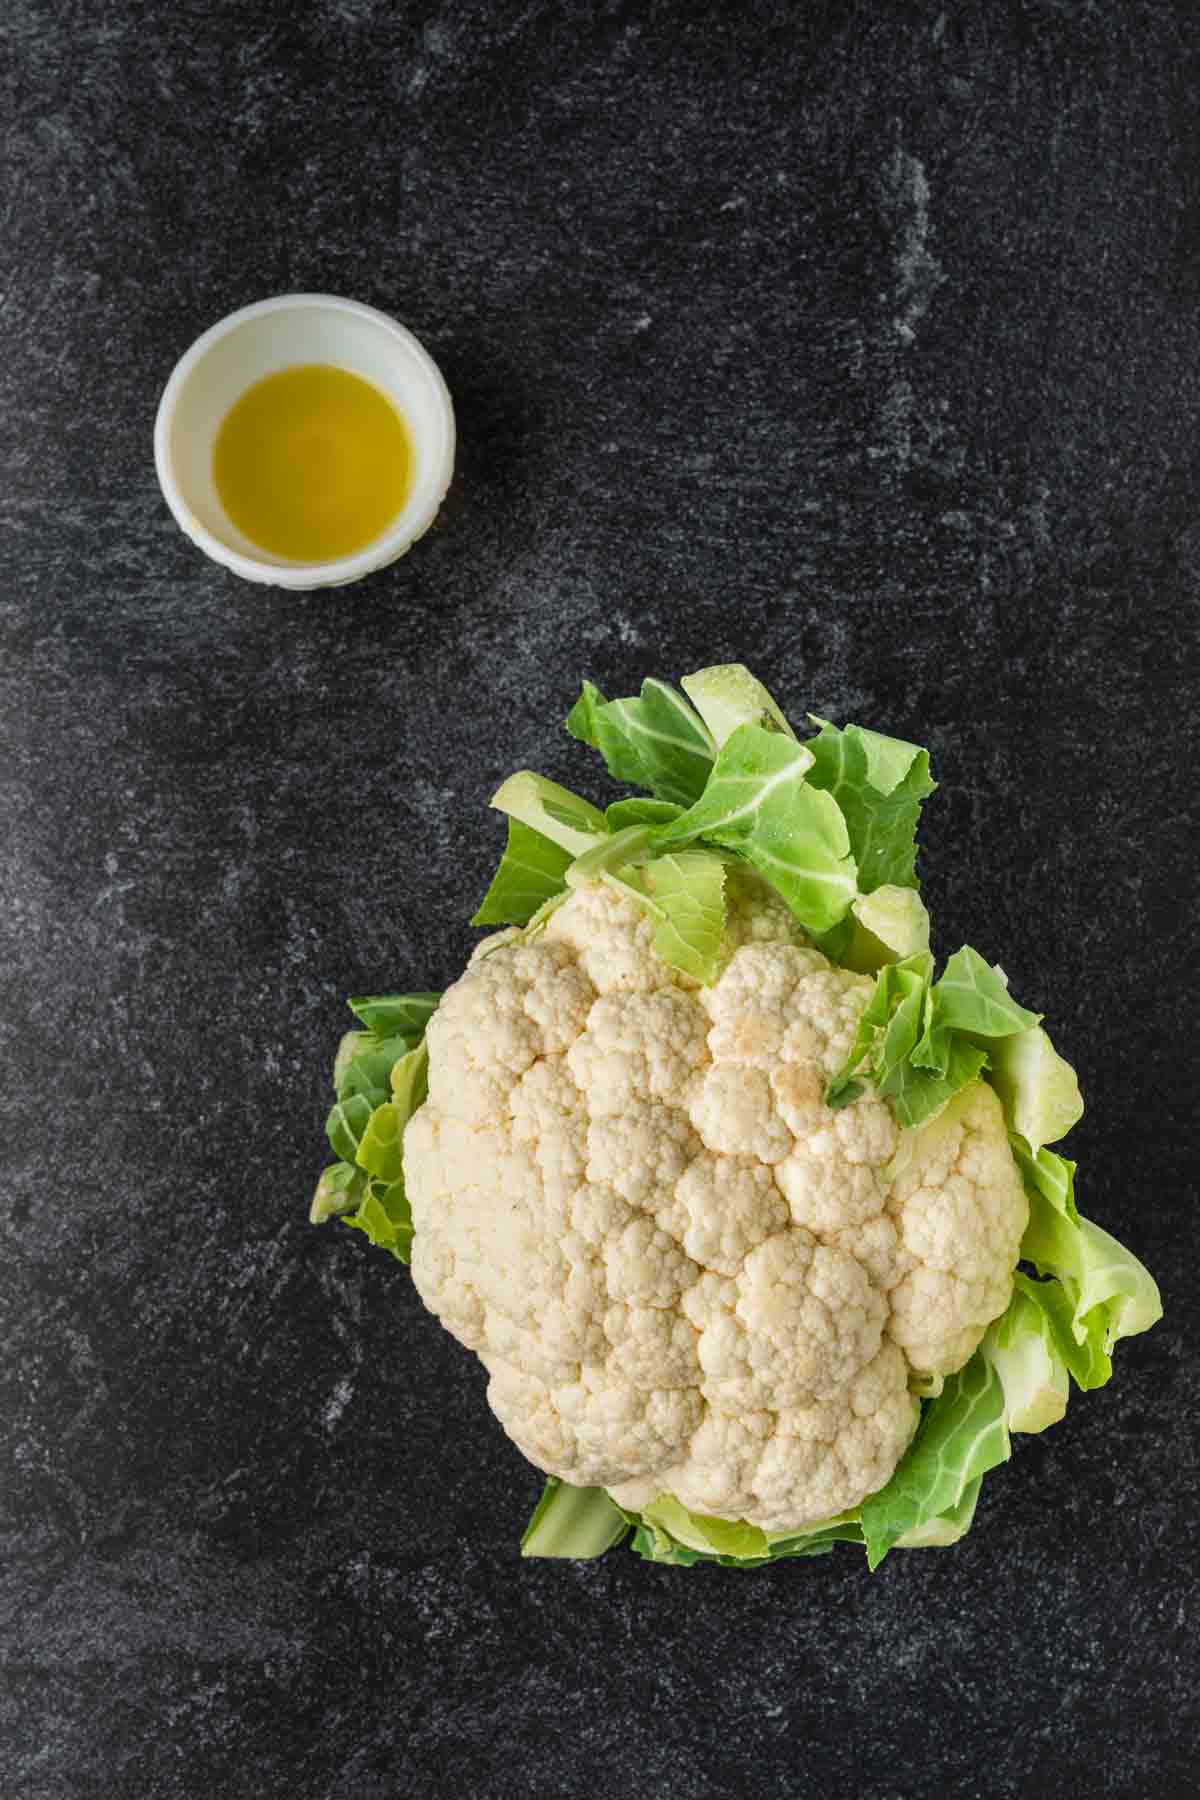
910,430
337,1402
918,272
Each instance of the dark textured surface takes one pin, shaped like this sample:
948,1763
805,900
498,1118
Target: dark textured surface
860,348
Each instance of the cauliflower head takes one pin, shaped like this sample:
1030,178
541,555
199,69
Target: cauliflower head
683,1272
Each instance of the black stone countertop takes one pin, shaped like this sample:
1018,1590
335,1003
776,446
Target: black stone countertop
858,342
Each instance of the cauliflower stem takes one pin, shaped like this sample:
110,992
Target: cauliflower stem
748,1212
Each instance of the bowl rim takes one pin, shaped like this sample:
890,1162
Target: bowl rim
383,549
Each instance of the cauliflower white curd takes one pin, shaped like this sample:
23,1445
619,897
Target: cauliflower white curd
684,1273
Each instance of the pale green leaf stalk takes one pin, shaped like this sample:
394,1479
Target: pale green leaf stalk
727,696
640,810
1022,1348
655,1545
573,1522
574,824
735,1540
720,1537
614,853
948,1527
1038,1089
339,1190
891,925
1117,1294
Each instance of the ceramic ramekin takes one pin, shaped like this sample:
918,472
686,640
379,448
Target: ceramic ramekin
257,341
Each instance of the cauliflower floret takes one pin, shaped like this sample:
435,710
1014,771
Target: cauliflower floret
796,1323
642,1152
831,1454
755,913
604,1431
717,1477
652,1347
769,990
646,1266
824,1191
683,1272
515,1005
550,1118
733,1110
726,1206
613,940
960,1210
637,1046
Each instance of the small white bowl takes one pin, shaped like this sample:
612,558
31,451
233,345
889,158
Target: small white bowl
276,334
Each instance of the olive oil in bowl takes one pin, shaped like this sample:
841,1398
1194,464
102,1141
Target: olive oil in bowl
312,463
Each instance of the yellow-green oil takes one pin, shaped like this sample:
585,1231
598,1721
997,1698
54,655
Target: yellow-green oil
312,463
